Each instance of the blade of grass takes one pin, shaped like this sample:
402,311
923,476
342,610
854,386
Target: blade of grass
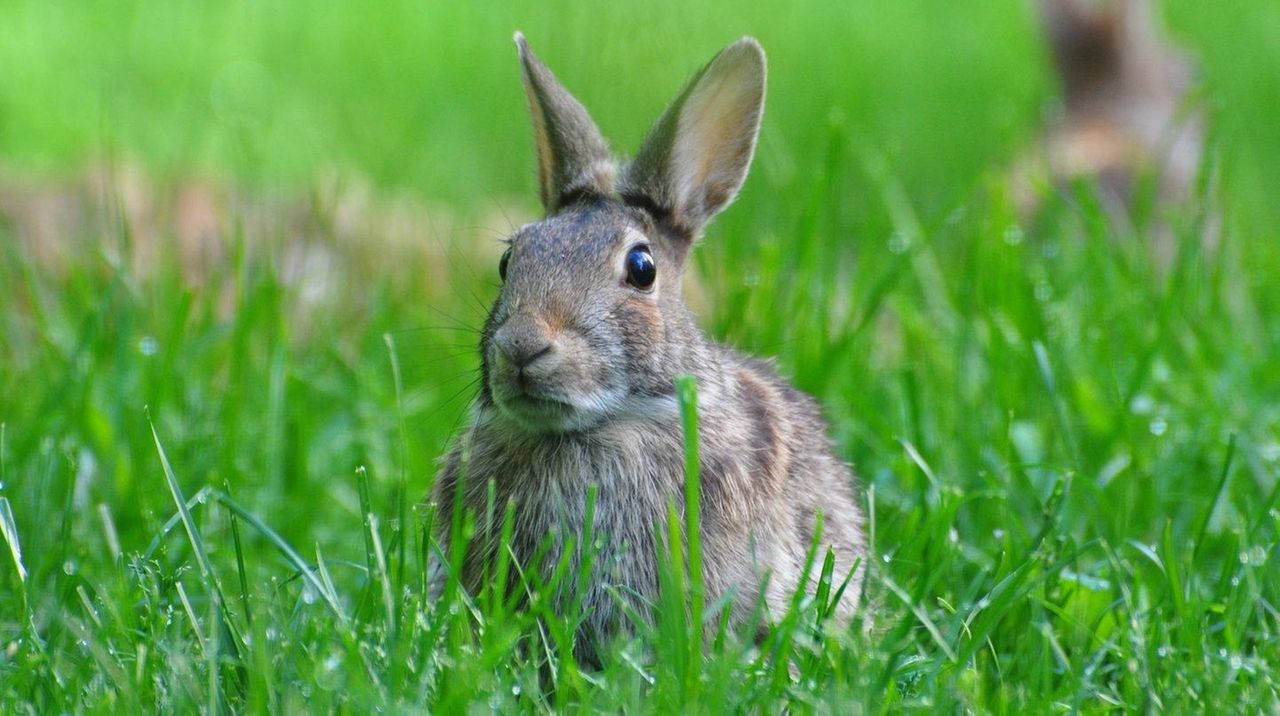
9,529
191,617
380,572
1217,497
366,514
240,570
109,534
401,483
1059,403
199,498
687,396
290,555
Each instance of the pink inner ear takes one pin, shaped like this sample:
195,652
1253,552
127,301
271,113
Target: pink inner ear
540,138
716,135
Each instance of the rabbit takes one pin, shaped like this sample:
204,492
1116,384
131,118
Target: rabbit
1126,116
579,355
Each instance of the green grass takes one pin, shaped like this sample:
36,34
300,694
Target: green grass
211,472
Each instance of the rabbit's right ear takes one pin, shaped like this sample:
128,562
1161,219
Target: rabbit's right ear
696,157
573,158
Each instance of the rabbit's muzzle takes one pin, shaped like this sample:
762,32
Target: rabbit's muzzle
542,377
523,341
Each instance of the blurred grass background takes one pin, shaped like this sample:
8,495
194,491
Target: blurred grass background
423,94
973,367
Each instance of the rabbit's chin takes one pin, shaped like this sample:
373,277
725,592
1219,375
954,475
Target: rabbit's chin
544,416
549,415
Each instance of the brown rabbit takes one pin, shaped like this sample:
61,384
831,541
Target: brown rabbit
580,353
1125,116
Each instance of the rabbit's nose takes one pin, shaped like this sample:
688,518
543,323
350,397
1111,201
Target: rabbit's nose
523,341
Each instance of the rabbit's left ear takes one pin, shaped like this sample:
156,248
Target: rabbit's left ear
696,156
573,158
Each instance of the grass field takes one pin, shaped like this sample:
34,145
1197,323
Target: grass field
244,249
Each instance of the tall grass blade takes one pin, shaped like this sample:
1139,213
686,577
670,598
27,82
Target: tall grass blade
1223,475
290,554
9,529
687,395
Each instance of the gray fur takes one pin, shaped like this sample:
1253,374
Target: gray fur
733,83
572,155
578,391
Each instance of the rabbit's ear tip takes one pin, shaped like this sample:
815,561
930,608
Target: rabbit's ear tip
521,44
745,49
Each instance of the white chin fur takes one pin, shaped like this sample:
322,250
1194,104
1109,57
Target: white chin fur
576,413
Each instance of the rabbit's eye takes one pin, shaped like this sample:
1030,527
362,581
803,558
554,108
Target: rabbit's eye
641,271
502,264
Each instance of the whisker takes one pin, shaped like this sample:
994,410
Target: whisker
423,329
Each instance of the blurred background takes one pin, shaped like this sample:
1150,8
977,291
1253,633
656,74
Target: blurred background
422,97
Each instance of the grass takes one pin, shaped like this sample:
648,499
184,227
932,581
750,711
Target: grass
211,468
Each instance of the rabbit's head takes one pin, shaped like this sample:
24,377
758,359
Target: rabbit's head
589,324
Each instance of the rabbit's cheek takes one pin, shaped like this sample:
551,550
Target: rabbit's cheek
582,372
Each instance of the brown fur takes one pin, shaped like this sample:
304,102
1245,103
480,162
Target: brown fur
579,369
1125,117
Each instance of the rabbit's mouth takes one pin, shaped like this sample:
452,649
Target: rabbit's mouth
540,414
541,408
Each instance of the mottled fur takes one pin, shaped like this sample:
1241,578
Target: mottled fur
579,370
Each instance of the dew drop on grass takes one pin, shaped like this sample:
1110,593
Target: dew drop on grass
1160,371
1235,662
148,346
997,533
1162,652
1254,555
887,559
1159,427
1269,451
1013,235
1142,404
69,567
899,243
309,595
515,689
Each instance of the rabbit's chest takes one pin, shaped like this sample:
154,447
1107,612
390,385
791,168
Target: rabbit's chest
555,491
603,500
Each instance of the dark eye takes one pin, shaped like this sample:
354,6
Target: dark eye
641,271
502,263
